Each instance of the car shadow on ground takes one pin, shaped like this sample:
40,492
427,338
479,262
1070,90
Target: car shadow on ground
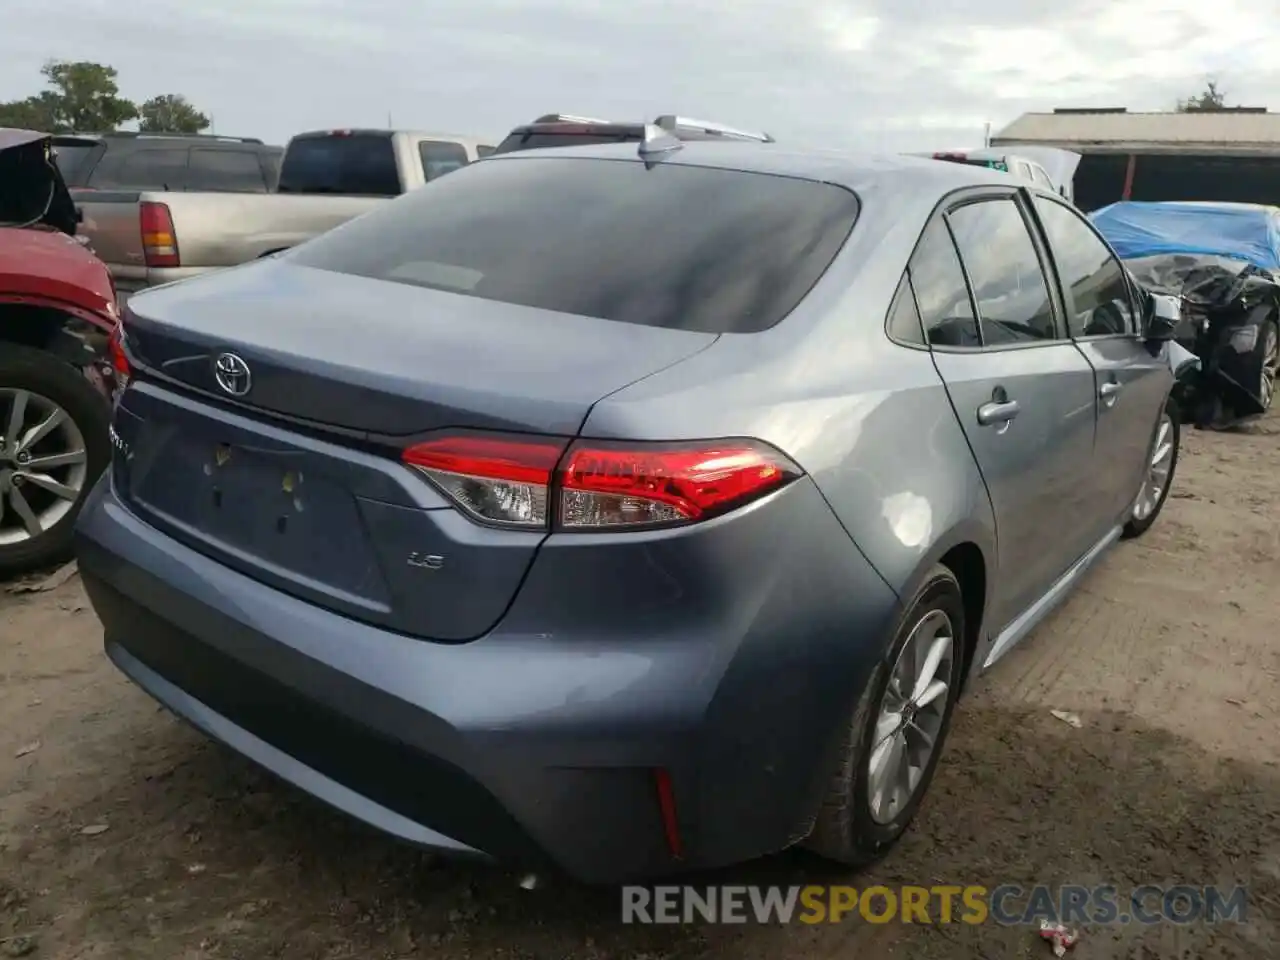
203,855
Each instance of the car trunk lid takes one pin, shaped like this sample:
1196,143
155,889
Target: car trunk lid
297,483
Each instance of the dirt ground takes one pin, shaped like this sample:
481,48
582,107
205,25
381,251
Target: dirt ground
123,834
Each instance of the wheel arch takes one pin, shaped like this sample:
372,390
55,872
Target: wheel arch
968,550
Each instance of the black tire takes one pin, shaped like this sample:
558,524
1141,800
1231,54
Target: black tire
1135,527
845,830
43,374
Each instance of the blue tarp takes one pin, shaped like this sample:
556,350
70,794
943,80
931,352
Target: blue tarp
1241,231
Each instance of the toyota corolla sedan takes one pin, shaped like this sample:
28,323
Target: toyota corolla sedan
630,508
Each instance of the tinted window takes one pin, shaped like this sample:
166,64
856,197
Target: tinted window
234,171
1004,270
484,150
1092,278
904,316
440,157
941,294
531,141
71,156
359,165
144,169
595,238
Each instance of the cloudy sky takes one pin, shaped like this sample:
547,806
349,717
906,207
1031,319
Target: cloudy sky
874,74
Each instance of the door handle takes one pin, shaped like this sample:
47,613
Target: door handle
1108,392
992,414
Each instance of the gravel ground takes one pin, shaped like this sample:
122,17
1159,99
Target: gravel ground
125,835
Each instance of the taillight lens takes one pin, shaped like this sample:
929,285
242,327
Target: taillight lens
500,480
119,359
619,485
159,240
598,485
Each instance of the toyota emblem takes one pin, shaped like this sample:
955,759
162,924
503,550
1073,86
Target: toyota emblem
232,374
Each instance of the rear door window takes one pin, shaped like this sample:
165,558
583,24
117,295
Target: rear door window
144,168
594,238
232,171
1004,271
440,157
355,164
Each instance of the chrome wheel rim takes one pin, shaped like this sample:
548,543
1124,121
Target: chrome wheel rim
910,716
1157,470
43,465
1270,364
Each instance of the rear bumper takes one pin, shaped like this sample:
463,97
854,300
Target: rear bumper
530,746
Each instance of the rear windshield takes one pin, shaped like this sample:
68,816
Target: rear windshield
683,247
71,156
537,140
357,165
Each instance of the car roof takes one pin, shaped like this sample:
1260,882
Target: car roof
855,171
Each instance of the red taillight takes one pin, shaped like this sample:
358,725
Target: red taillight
613,484
159,242
500,480
119,359
598,485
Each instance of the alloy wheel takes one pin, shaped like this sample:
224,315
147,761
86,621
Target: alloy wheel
1157,470
910,717
43,465
1270,365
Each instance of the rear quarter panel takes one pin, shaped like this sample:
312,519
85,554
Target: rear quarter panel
868,419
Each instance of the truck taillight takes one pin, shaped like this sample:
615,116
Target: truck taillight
590,485
159,241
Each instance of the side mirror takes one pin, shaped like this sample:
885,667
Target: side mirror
1161,317
79,214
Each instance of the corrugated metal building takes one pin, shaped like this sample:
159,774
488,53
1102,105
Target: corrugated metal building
1231,154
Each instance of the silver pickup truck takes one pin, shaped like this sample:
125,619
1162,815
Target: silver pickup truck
150,237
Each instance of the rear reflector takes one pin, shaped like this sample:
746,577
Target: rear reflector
667,810
159,242
534,483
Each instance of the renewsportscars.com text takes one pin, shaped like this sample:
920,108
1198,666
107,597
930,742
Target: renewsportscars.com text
1008,904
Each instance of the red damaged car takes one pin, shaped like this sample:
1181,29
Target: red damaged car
57,314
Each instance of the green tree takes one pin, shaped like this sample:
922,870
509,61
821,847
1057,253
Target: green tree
171,113
33,113
85,98
1206,101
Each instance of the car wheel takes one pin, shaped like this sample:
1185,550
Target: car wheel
890,749
53,446
1162,461
1270,362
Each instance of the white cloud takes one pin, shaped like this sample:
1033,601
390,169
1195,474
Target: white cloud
876,74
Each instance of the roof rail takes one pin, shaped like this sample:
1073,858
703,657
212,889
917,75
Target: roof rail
140,135
567,118
658,141
672,123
